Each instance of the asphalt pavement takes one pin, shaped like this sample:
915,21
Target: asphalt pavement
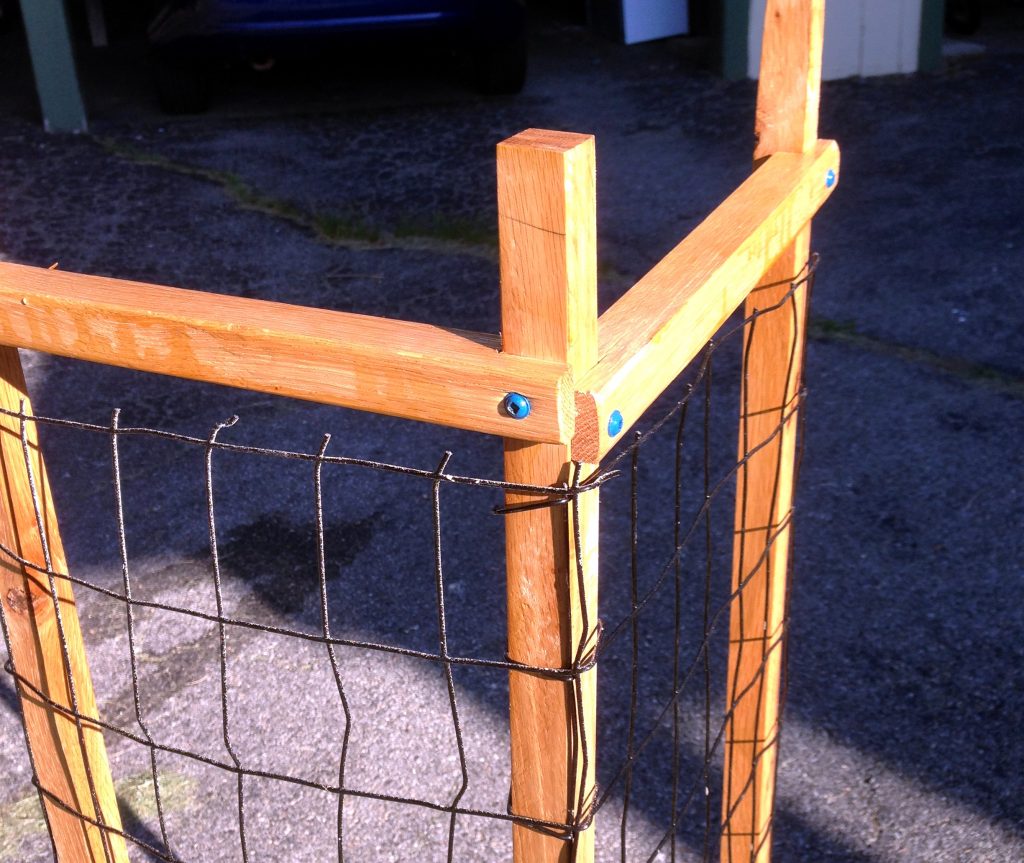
368,185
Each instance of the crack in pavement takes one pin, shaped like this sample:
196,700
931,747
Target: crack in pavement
446,236
978,374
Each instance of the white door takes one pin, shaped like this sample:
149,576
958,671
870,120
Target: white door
643,20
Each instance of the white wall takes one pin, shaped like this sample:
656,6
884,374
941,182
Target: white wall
653,19
862,37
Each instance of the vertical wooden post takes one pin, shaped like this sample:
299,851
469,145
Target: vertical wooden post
547,233
787,121
70,760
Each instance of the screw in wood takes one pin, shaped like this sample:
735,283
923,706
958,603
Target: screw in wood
614,423
516,406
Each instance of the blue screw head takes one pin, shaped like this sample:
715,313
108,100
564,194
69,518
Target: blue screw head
830,178
516,406
614,423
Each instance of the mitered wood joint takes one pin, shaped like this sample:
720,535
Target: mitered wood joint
661,324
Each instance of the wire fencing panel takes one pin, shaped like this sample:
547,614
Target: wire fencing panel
670,611
303,657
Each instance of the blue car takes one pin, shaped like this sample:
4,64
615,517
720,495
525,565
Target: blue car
187,35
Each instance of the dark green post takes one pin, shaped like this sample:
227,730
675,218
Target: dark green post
735,20
929,52
53,64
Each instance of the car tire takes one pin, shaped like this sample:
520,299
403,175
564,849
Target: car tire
182,85
8,15
500,70
963,17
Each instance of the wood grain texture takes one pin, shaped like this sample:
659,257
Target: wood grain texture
547,234
656,329
548,246
789,85
59,757
786,122
417,371
774,351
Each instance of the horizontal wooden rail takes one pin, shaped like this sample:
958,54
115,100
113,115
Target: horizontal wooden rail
656,329
430,373
411,370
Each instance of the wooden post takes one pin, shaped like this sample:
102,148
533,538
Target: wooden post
69,757
787,121
547,233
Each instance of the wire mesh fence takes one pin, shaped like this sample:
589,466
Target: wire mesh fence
322,674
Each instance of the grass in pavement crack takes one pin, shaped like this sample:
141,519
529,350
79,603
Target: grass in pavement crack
845,333
22,819
441,233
